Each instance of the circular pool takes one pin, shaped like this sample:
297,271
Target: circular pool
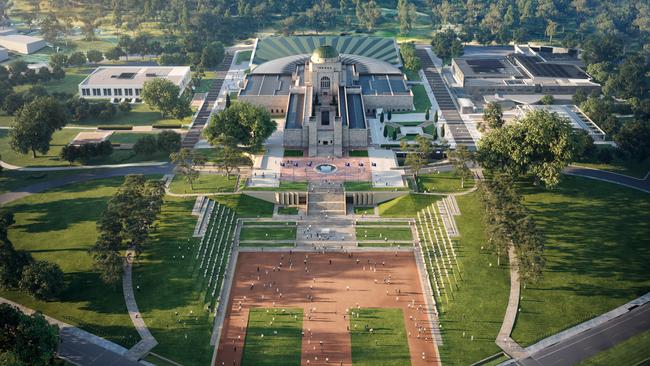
325,168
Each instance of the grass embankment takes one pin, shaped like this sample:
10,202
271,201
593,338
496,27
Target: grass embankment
246,206
263,346
407,205
386,345
205,183
267,233
596,254
59,226
391,233
444,182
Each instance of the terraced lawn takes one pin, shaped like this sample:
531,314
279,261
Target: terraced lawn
444,182
283,348
268,233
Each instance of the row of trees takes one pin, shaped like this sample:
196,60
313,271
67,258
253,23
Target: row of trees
83,153
166,141
40,279
126,223
509,224
18,73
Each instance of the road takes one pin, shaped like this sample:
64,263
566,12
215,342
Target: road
624,180
80,351
592,341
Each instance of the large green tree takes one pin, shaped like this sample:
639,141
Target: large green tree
186,161
164,96
493,115
539,144
35,124
447,45
30,339
43,280
407,14
228,155
246,124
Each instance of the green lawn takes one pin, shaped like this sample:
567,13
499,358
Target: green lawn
246,206
267,245
596,254
263,346
59,226
293,153
171,282
140,115
243,56
477,305
364,210
263,233
11,180
633,351
69,84
412,75
6,120
206,183
407,205
633,168
367,186
206,82
128,137
420,98
358,153
287,210
60,139
386,345
384,233
284,186
444,182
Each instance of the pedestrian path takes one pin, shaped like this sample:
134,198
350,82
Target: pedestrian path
148,342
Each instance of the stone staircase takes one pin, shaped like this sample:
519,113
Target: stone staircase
326,200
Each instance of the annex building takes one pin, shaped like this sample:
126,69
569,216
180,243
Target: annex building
325,87
527,70
126,82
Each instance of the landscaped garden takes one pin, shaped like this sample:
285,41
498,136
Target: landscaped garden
443,182
407,205
421,99
265,233
391,233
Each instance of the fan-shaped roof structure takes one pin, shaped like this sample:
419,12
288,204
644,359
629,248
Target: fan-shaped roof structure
365,65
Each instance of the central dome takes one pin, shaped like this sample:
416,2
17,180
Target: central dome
324,53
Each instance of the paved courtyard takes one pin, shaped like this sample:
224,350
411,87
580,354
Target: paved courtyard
334,282
303,169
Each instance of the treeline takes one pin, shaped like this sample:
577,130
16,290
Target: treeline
510,225
26,339
126,224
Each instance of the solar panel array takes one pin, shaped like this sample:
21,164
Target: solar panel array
543,69
271,48
485,65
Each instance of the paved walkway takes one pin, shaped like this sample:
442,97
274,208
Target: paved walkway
148,342
82,177
620,179
504,341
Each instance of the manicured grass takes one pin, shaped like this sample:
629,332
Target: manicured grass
386,345
633,168
206,183
140,115
267,245
293,153
367,186
633,351
364,210
382,223
59,226
420,98
444,182
287,210
243,56
273,337
206,82
69,84
407,205
284,186
246,206
358,153
270,223
477,305
263,233
596,254
128,137
171,282
6,120
384,233
381,244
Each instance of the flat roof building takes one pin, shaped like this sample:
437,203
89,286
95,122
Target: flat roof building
528,70
21,43
117,82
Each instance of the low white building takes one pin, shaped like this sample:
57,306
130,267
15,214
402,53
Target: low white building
22,43
126,82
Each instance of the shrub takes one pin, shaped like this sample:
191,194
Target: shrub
42,280
124,107
146,145
167,125
169,141
77,59
84,152
115,127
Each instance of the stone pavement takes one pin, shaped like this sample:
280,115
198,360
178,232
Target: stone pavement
620,179
386,172
504,341
148,342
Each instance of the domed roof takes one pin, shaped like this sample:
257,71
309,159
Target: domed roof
324,52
